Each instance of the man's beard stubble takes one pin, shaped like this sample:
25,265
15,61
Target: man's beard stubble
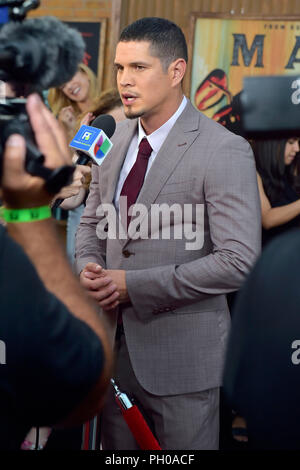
133,115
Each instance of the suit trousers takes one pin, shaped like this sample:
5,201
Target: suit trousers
179,422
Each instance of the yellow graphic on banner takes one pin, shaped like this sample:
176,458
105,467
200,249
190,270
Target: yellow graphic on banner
227,50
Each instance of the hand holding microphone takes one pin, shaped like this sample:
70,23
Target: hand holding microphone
74,194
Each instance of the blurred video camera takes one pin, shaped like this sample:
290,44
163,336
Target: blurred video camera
270,107
35,54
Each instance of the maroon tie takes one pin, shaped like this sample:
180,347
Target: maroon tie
135,178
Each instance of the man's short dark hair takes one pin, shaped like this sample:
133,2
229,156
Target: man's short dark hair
167,41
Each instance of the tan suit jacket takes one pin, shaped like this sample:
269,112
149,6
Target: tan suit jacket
177,323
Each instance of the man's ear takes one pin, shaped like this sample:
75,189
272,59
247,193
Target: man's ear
177,71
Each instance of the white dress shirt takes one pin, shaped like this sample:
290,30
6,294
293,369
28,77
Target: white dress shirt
156,140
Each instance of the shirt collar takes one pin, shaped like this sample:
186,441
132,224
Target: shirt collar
157,137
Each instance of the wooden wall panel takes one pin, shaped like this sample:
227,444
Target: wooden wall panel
179,11
86,10
119,13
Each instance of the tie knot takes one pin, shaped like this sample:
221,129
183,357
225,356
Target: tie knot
145,148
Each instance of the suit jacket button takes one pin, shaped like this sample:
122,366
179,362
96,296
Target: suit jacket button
126,253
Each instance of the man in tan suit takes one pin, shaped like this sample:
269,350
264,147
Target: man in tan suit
193,235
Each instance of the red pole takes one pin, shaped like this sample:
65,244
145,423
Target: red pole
135,421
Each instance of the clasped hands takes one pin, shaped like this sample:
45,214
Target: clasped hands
106,286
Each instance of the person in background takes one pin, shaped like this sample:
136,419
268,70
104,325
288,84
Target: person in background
109,102
278,180
76,96
278,184
262,377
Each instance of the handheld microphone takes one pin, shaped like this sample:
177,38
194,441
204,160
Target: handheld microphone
92,143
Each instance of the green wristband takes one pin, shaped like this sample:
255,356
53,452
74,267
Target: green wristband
26,215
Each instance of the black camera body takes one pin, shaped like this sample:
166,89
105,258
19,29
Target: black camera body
270,107
14,120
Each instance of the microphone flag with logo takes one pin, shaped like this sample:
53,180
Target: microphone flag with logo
94,140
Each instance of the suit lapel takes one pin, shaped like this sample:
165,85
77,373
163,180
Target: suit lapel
111,167
180,138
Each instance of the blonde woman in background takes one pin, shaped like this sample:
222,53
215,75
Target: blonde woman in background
73,98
